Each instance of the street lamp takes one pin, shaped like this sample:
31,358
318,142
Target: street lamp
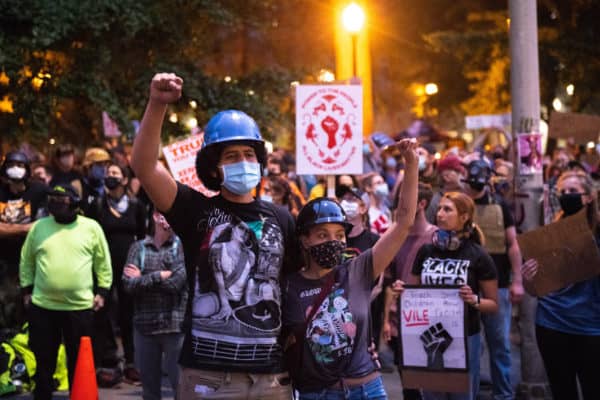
353,19
431,89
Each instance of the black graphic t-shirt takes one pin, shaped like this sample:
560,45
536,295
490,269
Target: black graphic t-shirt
234,256
336,339
20,208
468,265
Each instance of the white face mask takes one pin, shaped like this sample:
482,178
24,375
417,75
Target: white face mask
267,197
350,208
382,190
16,172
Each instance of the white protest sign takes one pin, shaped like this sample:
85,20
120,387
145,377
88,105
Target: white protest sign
329,133
488,121
181,158
432,328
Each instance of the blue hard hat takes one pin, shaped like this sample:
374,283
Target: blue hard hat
226,128
231,125
321,210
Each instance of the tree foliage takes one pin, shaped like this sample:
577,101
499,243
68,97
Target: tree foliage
66,61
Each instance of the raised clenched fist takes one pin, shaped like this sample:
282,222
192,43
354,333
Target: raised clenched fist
436,340
165,88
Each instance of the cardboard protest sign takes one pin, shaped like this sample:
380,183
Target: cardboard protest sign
432,327
181,158
565,250
581,127
329,129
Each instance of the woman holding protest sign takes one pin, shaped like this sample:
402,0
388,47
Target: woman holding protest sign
456,257
326,317
567,324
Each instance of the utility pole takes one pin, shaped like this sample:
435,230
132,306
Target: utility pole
525,99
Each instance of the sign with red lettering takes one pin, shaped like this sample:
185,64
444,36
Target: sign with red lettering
432,328
181,158
329,133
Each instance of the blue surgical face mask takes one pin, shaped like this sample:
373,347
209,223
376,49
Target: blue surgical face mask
382,190
390,162
267,198
97,174
241,177
366,149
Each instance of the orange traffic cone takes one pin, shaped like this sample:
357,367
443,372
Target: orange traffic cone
84,380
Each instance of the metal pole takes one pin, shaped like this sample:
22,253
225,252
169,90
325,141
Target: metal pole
525,99
354,53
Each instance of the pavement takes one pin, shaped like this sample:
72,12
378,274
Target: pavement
125,391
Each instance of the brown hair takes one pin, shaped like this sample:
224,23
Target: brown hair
588,187
465,205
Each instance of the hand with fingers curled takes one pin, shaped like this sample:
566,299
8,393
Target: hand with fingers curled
466,294
408,150
436,341
530,269
165,88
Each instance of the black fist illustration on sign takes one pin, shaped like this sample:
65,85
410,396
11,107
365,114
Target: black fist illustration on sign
436,340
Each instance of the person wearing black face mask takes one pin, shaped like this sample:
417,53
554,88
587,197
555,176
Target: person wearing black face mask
65,276
95,162
326,293
21,203
567,324
123,219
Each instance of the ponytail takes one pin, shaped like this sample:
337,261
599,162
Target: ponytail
474,233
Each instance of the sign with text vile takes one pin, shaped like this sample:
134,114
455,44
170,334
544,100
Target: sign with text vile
432,328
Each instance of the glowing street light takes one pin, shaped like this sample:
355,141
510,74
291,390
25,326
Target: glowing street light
557,104
191,123
326,75
570,89
353,19
431,89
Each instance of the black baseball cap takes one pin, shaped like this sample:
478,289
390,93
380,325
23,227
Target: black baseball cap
342,190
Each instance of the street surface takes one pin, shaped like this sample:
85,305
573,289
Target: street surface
124,391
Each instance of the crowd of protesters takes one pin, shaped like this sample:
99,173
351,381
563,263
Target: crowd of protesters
270,262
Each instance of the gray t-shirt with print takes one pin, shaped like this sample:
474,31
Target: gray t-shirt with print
336,339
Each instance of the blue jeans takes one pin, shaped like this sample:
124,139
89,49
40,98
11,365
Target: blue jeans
497,331
373,389
474,349
149,350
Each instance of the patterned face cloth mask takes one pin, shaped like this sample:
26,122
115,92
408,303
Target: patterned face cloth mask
240,178
327,254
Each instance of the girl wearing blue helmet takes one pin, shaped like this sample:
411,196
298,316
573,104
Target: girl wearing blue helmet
326,313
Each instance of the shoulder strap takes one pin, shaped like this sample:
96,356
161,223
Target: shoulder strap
325,290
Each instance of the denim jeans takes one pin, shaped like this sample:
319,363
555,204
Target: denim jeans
497,330
373,389
474,349
149,350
